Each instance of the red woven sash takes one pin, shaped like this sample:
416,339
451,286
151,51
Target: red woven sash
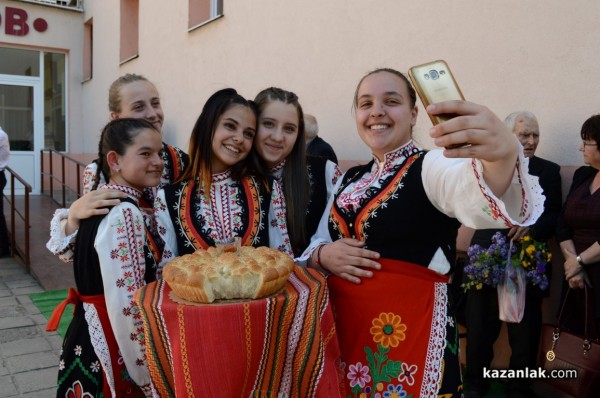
73,297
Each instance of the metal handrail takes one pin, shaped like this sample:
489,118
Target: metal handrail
78,166
22,252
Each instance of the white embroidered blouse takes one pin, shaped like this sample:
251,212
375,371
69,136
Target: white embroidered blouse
119,244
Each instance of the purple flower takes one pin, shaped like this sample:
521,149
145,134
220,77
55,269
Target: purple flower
486,265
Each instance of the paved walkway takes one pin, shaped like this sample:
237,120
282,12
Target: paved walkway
28,354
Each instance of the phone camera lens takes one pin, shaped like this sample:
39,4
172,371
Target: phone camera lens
442,72
433,74
426,75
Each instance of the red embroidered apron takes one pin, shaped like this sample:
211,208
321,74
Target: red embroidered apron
392,330
124,386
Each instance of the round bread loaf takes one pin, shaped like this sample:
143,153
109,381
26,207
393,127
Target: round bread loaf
228,273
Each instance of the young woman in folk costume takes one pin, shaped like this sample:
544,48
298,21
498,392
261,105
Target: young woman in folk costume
103,352
307,182
216,199
130,96
389,233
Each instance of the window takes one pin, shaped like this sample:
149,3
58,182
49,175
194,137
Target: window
88,49
19,62
203,11
129,30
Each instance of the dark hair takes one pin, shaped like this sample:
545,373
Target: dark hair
296,185
114,92
590,130
117,136
411,91
200,148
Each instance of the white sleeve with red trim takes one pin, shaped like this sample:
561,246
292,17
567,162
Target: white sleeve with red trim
457,188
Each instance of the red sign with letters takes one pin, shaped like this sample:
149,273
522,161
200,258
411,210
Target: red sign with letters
16,22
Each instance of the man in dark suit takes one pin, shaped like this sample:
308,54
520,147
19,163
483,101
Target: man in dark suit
315,145
483,324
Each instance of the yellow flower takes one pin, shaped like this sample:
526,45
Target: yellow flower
388,330
530,249
379,387
526,238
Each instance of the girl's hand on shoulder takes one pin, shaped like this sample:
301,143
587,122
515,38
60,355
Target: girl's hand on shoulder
487,136
92,204
348,259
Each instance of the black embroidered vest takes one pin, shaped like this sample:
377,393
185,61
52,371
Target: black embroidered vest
398,221
194,233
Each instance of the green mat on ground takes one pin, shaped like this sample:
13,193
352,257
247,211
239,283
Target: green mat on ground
47,301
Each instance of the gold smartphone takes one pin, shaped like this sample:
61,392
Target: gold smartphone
434,82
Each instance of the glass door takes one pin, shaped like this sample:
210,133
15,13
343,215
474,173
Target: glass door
21,113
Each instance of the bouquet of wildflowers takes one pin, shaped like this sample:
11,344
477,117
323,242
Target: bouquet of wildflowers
486,266
534,257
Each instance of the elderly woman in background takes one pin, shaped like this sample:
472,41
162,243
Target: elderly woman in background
578,233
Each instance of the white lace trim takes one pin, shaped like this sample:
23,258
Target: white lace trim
532,183
99,343
532,205
432,371
59,244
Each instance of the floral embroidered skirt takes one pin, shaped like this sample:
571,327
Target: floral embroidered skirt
396,336
80,373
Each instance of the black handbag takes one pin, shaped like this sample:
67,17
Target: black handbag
563,350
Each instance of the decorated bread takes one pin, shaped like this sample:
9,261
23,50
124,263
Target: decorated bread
228,273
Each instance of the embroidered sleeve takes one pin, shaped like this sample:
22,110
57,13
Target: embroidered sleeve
322,234
166,230
278,234
120,247
332,175
59,244
89,174
457,188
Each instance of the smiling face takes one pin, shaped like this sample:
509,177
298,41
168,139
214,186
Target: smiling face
278,126
233,137
384,114
141,165
140,100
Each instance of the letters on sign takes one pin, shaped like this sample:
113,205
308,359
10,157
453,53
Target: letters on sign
15,22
